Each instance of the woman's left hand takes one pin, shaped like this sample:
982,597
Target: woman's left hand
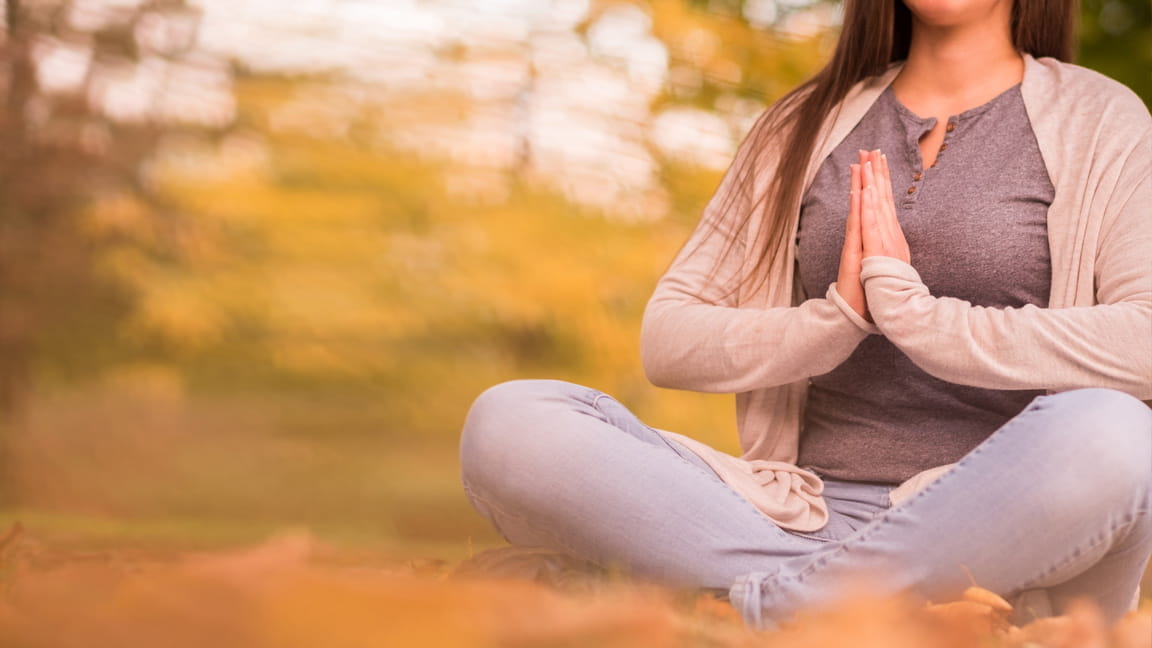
880,231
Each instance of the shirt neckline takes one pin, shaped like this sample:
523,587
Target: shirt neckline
967,114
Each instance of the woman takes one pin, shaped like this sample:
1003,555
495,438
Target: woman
932,259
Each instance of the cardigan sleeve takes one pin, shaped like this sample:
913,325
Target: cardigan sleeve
1104,345
697,335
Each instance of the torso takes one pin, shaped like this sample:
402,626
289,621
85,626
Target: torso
971,193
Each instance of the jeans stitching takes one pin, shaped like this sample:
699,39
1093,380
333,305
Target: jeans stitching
728,489
848,546
980,449
496,510
595,398
866,534
1096,541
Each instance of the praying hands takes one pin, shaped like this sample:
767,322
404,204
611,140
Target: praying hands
871,229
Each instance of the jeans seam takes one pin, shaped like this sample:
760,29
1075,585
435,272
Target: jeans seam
595,398
496,509
1078,551
866,534
596,405
788,533
599,395
978,450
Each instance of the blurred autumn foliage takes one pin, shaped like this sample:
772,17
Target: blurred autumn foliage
210,263
71,144
290,591
256,259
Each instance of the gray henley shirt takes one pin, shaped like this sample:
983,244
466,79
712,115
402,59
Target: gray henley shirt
976,223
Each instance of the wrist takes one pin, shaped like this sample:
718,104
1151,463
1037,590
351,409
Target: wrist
849,311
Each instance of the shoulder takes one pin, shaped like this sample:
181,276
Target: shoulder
1079,94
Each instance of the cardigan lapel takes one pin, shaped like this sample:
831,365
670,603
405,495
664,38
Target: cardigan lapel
1043,101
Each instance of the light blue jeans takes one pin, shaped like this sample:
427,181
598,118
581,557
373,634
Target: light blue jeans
1057,500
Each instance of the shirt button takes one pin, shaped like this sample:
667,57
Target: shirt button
951,127
917,176
912,190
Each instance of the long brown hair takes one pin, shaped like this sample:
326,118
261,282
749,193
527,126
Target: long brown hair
875,33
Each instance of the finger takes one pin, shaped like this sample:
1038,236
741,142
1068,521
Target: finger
872,238
885,204
886,183
854,172
877,175
852,241
886,201
878,217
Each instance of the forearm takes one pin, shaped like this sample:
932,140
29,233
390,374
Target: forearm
1108,345
721,349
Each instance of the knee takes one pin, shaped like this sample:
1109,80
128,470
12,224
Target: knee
1107,428
1106,438
501,424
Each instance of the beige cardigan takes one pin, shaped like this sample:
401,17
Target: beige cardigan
764,343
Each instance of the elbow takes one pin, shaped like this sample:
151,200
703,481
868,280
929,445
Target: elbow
657,371
679,351
659,366
656,367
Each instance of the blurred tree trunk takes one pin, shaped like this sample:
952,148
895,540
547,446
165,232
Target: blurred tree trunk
17,328
61,150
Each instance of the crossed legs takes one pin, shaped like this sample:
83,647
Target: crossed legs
1058,499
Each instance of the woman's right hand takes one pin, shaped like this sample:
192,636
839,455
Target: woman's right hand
848,283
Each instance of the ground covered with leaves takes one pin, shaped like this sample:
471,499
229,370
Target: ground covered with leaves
291,591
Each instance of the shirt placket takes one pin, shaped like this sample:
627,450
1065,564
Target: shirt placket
915,131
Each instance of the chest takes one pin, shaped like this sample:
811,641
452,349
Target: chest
971,193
